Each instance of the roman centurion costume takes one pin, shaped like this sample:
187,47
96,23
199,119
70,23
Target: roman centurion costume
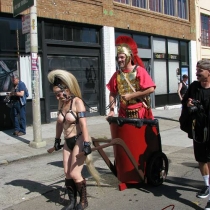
126,81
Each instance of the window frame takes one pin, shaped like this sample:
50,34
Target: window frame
205,33
180,8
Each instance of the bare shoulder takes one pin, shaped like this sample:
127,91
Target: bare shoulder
78,100
79,104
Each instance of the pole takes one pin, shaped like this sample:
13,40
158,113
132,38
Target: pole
37,142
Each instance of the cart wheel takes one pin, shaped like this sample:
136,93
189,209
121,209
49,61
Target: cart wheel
157,168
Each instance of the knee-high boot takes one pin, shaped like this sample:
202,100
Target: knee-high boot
81,188
72,193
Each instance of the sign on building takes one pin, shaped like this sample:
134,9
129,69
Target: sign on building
26,24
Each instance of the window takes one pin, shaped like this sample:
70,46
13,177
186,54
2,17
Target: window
89,35
182,9
184,53
142,41
123,1
48,31
205,30
69,33
121,34
11,37
155,5
139,3
169,7
58,32
177,8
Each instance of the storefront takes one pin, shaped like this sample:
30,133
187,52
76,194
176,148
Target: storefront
62,45
166,60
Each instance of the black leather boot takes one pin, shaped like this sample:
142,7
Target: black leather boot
81,188
72,193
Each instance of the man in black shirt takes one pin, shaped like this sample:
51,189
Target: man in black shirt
197,99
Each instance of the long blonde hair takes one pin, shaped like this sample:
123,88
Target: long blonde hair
91,168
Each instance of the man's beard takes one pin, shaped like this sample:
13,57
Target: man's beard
121,65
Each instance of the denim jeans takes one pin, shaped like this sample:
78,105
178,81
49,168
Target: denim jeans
18,116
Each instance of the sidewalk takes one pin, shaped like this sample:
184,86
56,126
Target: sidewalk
13,148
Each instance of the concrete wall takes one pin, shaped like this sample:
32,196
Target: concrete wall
108,57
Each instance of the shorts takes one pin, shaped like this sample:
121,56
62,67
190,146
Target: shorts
72,141
202,152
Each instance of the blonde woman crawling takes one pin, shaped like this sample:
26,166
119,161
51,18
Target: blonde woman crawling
71,121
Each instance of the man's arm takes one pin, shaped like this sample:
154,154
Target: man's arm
112,102
138,94
178,91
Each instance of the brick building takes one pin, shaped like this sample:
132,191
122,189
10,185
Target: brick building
78,35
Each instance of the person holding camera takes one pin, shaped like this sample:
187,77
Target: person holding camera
197,101
71,120
18,106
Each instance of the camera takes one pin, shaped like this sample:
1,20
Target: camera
197,106
7,99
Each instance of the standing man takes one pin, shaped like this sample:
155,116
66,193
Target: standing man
197,98
131,82
18,110
182,87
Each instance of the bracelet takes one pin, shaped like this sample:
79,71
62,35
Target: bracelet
111,109
86,143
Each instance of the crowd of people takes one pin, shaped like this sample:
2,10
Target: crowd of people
132,85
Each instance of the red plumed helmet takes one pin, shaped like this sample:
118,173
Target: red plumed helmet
133,46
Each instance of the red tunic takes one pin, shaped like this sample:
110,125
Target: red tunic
145,81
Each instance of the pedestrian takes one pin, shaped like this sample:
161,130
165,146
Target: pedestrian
182,87
197,99
131,82
18,100
71,120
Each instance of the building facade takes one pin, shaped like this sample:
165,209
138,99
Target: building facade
79,36
202,29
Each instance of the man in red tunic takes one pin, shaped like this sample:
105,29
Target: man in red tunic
131,82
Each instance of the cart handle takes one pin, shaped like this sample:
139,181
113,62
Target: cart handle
117,141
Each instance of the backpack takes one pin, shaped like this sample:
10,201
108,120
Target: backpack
195,123
185,118
186,121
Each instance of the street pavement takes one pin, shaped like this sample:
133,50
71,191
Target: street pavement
178,192
15,148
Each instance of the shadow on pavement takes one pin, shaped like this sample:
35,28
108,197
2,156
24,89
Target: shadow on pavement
165,118
53,192
42,189
9,133
179,184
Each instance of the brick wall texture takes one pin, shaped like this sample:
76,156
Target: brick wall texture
113,14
